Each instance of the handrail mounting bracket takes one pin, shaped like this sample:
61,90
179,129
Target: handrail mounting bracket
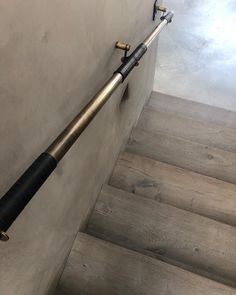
157,8
125,47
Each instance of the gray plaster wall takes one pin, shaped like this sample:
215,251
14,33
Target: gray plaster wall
54,56
196,57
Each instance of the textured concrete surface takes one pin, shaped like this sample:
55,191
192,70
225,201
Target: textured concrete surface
196,56
54,55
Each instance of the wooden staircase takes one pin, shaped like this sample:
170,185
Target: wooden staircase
166,222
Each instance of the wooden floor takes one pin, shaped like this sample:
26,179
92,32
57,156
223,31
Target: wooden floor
175,186
165,224
183,153
96,267
166,232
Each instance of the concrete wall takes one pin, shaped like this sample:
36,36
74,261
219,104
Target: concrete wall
196,57
54,55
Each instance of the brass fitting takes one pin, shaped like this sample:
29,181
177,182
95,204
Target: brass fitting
123,46
162,8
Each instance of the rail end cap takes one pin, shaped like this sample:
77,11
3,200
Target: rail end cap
3,236
168,16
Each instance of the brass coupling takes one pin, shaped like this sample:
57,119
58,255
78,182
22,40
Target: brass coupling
162,8
123,46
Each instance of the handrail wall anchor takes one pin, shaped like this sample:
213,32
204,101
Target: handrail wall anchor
157,8
125,47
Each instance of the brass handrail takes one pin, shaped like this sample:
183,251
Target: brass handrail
19,195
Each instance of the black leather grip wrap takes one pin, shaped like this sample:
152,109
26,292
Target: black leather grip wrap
131,61
168,16
19,195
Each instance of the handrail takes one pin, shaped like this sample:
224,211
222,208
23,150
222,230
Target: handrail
19,195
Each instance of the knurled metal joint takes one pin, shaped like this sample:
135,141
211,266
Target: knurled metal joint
131,61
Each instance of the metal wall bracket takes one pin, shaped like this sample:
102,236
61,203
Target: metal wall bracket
125,47
157,8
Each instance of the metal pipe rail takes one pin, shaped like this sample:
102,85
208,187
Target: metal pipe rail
19,195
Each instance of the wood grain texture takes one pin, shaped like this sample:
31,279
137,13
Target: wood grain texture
176,186
183,153
97,267
191,109
201,132
140,223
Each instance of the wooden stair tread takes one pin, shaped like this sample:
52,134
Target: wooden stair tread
98,267
135,222
191,109
174,228
190,129
181,188
183,153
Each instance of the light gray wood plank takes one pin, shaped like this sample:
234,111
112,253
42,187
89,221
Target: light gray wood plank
202,244
191,109
201,132
176,186
97,267
190,155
